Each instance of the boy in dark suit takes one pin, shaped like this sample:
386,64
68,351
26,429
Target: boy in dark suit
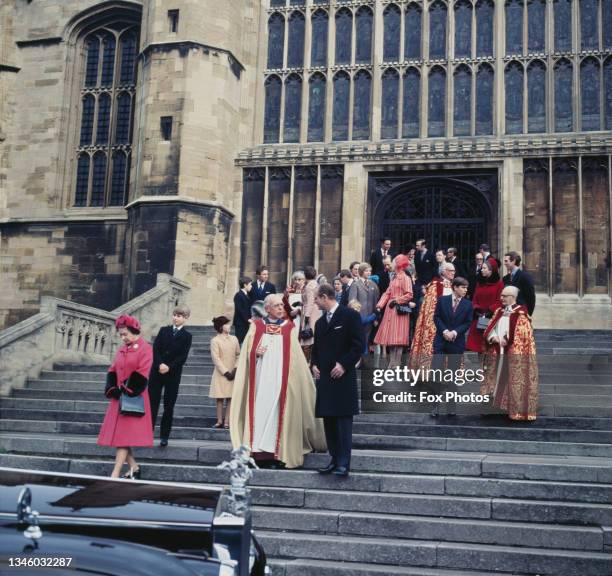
453,317
338,345
261,286
242,308
170,351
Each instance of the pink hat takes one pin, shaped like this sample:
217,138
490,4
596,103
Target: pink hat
126,321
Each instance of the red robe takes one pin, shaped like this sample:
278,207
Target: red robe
486,299
515,386
123,430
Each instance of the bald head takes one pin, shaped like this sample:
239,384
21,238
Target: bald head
509,295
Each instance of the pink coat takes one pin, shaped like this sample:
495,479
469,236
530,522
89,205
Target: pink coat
120,430
394,328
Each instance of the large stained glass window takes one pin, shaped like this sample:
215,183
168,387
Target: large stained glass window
589,37
589,94
293,108
364,26
295,50
276,40
484,27
562,10
437,30
536,14
514,26
463,29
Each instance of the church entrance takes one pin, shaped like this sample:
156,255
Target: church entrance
445,212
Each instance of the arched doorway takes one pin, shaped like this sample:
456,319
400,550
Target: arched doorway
443,212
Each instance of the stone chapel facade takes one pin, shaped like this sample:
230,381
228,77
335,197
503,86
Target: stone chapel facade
203,138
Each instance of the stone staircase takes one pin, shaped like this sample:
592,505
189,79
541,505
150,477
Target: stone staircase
466,496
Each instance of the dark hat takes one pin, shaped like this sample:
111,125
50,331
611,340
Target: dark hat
219,322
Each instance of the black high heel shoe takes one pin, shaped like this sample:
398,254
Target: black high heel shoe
132,474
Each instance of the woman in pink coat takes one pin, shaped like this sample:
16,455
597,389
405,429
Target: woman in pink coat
128,374
394,328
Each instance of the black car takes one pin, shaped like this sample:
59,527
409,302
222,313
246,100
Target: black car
70,524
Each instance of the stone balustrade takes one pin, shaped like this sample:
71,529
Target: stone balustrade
65,331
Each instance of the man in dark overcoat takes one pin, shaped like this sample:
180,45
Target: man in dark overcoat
170,351
338,345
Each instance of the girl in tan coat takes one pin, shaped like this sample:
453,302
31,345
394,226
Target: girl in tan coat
224,350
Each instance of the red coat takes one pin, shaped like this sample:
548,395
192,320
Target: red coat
120,430
486,299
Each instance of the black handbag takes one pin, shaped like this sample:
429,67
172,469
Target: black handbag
306,334
131,405
403,309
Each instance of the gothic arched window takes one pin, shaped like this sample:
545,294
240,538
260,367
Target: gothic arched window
484,27
411,107
108,87
608,93
392,23
563,25
588,24
463,102
344,36
276,40
318,54
437,30
341,103
436,105
564,86
316,107
536,32
589,94
273,88
484,100
514,26
536,97
412,32
87,119
364,26
82,180
295,50
463,29
293,108
120,180
514,98
361,105
390,103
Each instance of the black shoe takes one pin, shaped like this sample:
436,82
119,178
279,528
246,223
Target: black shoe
452,414
132,474
341,471
328,469
163,442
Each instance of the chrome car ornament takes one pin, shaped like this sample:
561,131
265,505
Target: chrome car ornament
25,515
241,469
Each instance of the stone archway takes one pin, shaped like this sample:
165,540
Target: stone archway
444,212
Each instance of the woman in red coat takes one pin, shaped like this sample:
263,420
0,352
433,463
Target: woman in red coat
484,301
128,374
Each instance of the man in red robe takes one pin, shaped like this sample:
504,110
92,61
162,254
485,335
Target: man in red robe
273,398
421,351
511,369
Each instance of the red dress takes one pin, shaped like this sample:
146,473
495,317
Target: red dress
486,298
394,328
121,430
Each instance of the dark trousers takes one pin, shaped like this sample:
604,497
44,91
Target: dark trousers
240,332
170,387
443,360
339,437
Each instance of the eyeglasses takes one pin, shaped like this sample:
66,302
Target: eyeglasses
505,295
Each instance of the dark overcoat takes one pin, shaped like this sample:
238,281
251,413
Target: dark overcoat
339,341
172,351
